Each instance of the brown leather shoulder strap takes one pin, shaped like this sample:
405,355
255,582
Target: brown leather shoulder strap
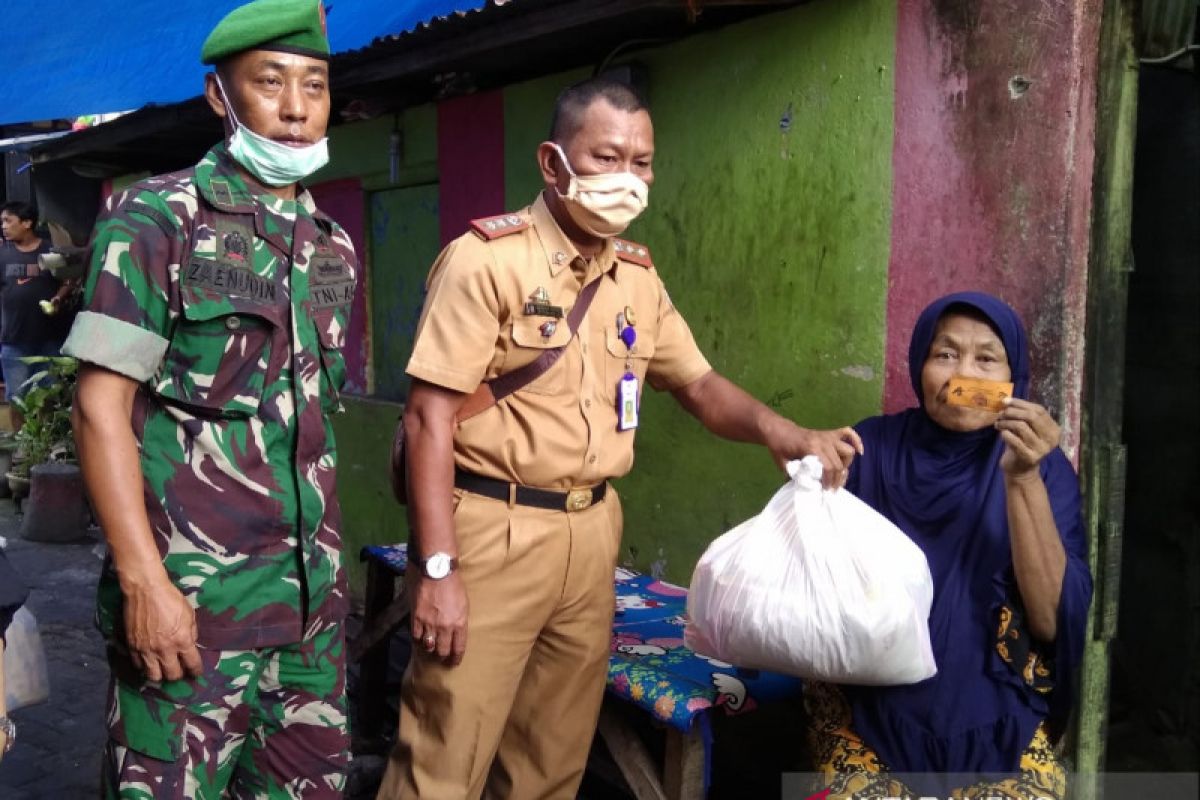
479,401
491,392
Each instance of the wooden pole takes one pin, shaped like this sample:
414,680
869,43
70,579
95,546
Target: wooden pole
1103,461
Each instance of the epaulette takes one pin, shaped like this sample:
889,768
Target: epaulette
494,227
633,252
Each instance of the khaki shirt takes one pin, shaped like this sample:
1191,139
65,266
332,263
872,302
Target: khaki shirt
560,431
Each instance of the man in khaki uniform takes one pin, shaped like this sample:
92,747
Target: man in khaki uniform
515,530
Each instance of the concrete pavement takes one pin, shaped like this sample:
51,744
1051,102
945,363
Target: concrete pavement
57,754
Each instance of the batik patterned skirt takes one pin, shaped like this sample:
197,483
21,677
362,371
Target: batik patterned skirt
853,771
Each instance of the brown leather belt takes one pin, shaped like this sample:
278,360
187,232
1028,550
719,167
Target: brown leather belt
573,500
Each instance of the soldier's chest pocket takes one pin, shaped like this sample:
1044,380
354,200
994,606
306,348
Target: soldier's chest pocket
619,359
529,342
220,352
331,336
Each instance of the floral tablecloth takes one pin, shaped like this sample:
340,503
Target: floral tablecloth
395,556
652,667
649,664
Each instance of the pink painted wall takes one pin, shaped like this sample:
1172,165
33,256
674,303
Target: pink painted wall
343,201
470,160
992,164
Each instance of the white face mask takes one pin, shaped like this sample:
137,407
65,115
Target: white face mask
604,204
272,163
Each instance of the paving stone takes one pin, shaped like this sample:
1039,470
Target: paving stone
57,754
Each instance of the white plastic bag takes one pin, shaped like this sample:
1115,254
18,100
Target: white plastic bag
818,585
26,680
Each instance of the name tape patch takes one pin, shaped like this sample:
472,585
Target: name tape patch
328,295
231,281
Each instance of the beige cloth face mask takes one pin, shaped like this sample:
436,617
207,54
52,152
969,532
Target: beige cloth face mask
604,204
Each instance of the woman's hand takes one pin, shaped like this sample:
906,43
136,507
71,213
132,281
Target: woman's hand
1039,560
836,449
1029,434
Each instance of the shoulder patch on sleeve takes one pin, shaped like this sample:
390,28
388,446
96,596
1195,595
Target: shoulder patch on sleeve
494,227
154,215
633,252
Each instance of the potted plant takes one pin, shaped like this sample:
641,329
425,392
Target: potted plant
8,446
46,467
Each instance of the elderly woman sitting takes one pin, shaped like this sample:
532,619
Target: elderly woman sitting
994,504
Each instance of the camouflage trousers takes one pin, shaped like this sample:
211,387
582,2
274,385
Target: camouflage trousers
268,723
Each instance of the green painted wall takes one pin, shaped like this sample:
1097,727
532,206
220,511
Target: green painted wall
360,149
527,108
402,241
769,221
369,514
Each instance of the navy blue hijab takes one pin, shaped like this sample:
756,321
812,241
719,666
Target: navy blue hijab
945,489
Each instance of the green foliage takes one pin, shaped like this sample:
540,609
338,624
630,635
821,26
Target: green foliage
46,405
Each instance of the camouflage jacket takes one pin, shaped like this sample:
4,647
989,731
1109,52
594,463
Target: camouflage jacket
230,309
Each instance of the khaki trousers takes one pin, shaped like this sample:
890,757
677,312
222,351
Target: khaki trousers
516,718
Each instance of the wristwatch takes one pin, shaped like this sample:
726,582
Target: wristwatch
438,566
9,729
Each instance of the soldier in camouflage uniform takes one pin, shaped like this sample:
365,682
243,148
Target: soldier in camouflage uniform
216,310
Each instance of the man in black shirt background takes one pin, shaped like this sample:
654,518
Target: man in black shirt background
26,329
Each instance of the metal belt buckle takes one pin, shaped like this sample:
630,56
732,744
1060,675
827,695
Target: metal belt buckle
579,499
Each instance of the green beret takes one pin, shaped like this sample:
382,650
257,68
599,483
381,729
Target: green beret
291,26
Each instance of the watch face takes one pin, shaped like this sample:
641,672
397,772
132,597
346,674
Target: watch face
437,566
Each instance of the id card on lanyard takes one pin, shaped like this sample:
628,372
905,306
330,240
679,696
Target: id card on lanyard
627,387
627,402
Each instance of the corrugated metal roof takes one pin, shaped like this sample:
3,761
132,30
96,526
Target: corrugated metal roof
453,24
507,39
364,22
466,47
1168,27
22,143
454,16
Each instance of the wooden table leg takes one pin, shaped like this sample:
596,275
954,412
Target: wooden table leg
630,754
683,771
372,678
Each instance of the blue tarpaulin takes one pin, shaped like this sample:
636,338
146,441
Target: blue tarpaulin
66,58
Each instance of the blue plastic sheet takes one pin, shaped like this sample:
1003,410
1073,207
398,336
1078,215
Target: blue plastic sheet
67,58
